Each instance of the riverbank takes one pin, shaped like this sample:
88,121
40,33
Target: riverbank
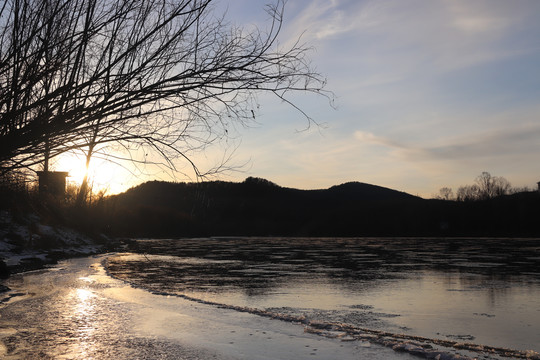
27,243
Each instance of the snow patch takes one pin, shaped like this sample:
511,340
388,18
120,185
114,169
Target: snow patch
29,244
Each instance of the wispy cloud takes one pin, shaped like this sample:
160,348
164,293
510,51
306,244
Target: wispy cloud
416,35
427,90
370,138
495,144
324,19
522,140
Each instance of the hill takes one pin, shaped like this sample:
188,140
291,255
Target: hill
253,207
260,207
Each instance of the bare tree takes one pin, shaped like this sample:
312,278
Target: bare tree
167,76
446,193
491,186
485,187
467,193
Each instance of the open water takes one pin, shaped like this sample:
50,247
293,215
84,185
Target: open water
479,298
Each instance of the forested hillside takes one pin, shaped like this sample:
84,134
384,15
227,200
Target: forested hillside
260,207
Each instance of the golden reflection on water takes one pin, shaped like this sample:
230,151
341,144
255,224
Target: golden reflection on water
83,295
84,322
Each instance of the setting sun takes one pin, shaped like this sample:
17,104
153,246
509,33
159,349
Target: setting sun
73,164
103,175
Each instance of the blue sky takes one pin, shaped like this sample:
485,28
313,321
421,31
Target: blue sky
429,93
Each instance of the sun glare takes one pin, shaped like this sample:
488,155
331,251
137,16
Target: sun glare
74,165
102,175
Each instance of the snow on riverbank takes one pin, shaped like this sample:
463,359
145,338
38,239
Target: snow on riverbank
28,244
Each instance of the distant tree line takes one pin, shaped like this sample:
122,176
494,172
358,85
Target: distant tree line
485,187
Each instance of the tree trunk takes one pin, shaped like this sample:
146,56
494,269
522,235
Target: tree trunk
83,190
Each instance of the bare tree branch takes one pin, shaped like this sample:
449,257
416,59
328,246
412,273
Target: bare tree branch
168,75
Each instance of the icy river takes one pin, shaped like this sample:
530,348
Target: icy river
282,298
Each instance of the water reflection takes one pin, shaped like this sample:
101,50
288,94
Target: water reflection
55,321
454,288
257,265
84,320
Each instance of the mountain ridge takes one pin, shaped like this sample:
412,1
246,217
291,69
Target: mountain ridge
365,189
258,207
255,206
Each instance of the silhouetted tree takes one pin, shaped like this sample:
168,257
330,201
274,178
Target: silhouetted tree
446,193
147,75
468,193
491,186
485,187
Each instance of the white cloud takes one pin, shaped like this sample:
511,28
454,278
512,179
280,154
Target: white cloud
370,138
323,20
521,140
481,16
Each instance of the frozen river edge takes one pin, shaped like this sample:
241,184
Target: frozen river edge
76,310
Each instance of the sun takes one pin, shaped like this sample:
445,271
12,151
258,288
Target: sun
73,164
103,175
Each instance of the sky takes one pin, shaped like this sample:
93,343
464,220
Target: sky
428,94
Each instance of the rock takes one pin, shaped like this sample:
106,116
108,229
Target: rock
4,270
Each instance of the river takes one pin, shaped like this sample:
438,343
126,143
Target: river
282,298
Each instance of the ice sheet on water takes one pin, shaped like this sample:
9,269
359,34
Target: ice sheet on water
160,259
359,316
